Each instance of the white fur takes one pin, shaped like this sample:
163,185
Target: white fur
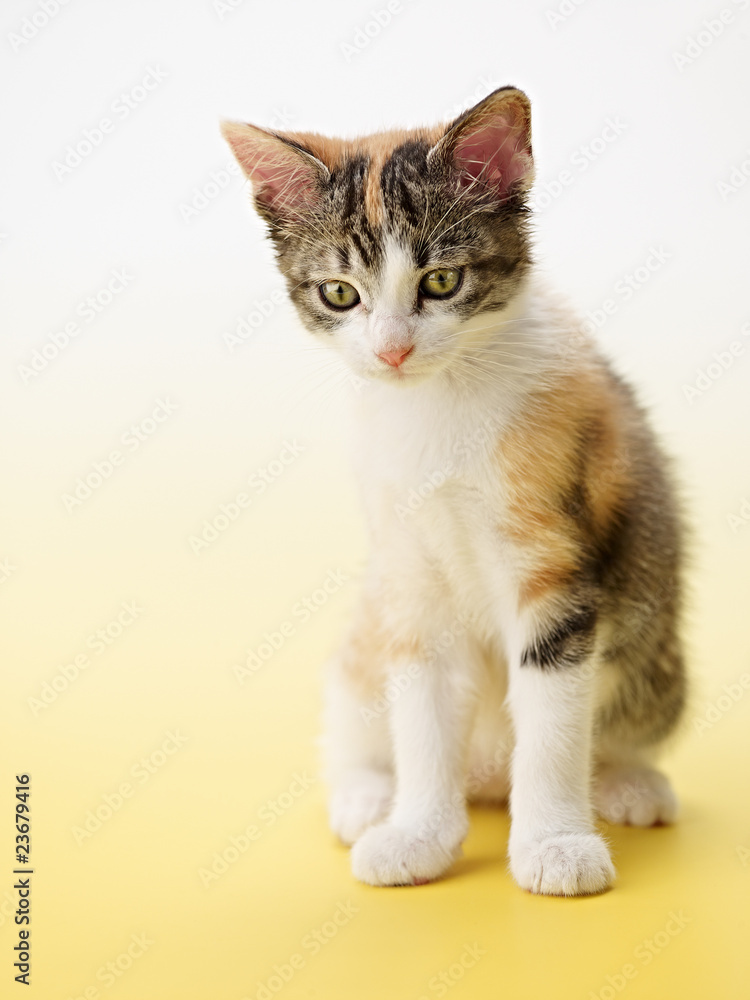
638,796
430,428
431,725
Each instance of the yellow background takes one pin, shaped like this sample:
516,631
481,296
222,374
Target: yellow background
171,670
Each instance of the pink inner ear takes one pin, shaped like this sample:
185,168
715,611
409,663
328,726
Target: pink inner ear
284,178
495,153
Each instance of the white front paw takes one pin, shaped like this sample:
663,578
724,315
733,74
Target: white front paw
362,800
393,855
565,864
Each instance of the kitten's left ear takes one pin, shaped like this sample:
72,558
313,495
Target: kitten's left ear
490,144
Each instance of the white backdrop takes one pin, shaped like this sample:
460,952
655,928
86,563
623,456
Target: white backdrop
113,164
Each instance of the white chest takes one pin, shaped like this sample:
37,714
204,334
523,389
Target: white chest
435,499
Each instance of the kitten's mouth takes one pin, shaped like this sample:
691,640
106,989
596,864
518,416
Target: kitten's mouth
405,373
412,367
397,373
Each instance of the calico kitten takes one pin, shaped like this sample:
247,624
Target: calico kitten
518,630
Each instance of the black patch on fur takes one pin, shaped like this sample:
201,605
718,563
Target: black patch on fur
402,182
364,241
346,185
566,644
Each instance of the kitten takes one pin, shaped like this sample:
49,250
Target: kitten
518,630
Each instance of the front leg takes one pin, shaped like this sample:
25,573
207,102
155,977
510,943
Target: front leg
554,848
430,724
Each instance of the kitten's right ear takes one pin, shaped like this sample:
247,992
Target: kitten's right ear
286,178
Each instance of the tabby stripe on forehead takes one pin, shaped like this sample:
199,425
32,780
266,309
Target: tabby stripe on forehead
348,181
402,176
350,195
403,198
365,252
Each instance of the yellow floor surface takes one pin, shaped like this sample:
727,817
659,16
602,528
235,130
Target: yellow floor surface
180,849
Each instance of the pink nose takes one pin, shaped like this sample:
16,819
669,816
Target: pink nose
396,358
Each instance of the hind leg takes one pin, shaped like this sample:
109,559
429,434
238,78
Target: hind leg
358,757
357,743
628,789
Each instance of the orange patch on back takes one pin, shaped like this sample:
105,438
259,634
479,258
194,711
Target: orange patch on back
566,468
543,581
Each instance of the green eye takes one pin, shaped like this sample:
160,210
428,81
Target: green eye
339,294
441,283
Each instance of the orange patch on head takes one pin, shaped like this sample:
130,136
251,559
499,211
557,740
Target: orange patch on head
373,195
377,147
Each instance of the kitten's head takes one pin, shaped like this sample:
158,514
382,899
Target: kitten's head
396,246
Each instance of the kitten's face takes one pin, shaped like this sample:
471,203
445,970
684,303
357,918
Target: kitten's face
398,247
